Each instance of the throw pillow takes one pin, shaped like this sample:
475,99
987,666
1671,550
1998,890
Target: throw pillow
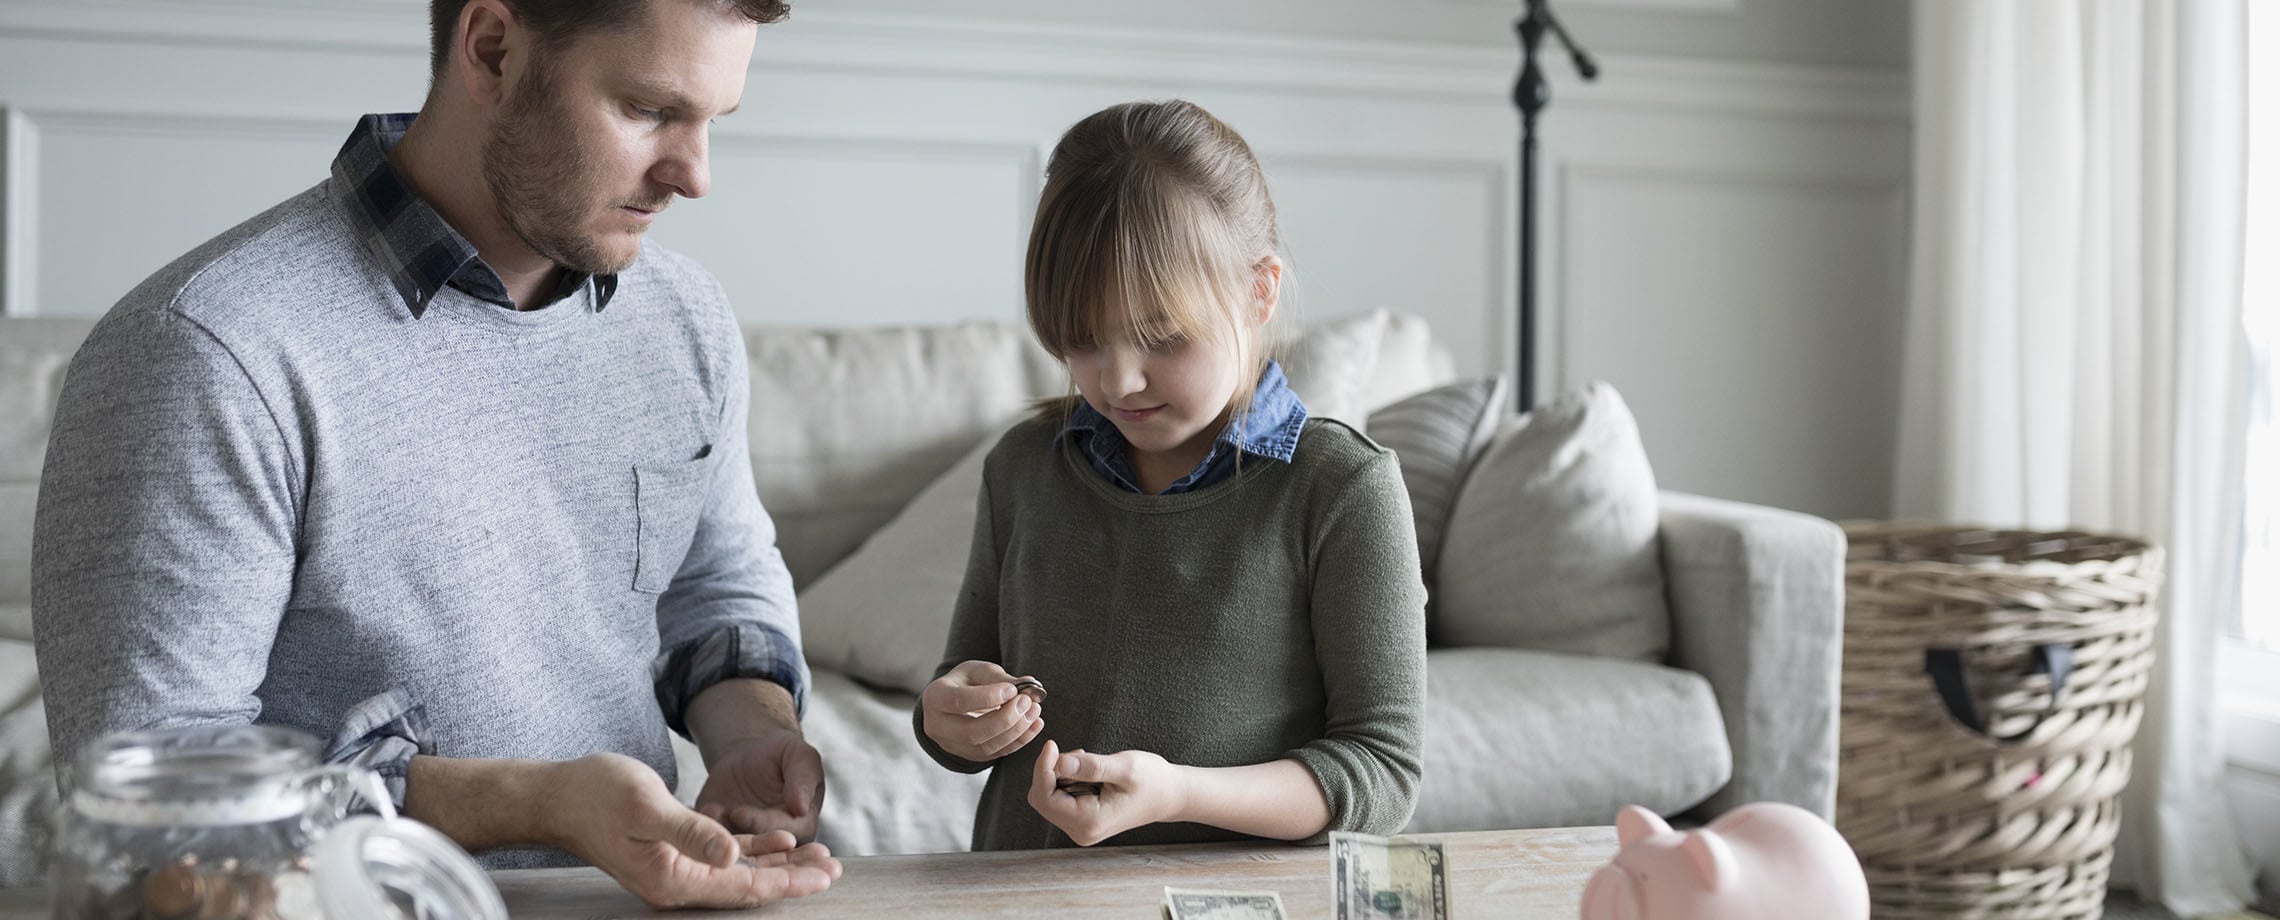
882,614
1552,542
1438,434
1329,365
1409,361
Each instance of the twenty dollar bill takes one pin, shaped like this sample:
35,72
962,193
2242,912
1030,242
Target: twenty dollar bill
1378,877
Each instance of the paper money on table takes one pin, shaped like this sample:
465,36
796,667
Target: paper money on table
1192,904
1378,877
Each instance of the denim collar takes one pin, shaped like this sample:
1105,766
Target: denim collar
1269,431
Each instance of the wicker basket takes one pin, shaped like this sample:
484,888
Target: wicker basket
1970,786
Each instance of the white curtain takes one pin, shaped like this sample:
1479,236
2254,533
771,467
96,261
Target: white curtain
2075,355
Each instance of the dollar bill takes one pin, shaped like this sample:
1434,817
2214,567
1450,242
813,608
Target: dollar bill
1191,904
1378,877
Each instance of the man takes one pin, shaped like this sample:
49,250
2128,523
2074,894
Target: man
438,461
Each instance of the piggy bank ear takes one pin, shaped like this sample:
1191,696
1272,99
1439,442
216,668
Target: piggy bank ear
1611,895
1713,863
1634,824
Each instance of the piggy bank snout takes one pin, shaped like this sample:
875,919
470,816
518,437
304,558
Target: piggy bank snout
1611,895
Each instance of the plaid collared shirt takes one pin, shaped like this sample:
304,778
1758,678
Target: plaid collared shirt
404,233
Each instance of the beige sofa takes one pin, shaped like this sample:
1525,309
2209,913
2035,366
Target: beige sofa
848,425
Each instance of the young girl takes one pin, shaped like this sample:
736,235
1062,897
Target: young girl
1221,594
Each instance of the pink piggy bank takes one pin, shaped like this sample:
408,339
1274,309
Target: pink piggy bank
1762,861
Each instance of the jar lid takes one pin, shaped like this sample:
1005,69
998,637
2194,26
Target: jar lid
373,868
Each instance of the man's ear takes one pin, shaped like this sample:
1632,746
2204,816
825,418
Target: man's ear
1266,290
488,31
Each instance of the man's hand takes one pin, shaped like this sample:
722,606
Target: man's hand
1136,788
615,812
773,782
975,714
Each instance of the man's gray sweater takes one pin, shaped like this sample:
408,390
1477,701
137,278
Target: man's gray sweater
278,493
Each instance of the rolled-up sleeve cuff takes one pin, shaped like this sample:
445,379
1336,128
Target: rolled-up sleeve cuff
383,734
741,650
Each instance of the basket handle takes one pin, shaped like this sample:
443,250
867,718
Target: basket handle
1945,665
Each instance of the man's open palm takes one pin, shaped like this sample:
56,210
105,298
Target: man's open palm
672,857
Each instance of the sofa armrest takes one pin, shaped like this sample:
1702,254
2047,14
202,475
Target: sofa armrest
1757,607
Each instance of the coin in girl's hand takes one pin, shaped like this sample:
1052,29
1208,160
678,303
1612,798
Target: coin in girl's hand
1030,687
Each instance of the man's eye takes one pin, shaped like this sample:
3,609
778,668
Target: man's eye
648,114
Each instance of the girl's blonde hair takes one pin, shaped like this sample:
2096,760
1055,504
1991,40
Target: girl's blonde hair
1155,222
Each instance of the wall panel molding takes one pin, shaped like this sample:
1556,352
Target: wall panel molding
19,212
1558,272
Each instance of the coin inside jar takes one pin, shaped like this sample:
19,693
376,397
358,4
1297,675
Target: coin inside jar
260,898
174,891
225,898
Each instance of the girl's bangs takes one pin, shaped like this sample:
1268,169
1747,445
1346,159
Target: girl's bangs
1148,281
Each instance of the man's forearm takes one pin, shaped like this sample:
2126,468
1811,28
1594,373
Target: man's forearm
737,710
481,804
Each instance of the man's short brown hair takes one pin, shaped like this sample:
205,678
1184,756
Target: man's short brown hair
558,21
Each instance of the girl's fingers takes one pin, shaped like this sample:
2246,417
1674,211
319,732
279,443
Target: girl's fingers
1036,727
996,736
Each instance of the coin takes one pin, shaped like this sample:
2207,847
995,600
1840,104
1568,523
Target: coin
225,898
1031,687
260,898
174,891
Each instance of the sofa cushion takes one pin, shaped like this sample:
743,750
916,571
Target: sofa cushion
27,772
1410,361
1552,543
1523,738
15,622
848,424
1438,435
34,353
882,615
882,794
1330,365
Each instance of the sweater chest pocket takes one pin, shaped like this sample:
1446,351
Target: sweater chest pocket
668,499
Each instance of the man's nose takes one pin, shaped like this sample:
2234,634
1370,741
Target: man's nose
687,165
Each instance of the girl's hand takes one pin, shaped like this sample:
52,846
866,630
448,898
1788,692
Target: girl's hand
1136,788
975,713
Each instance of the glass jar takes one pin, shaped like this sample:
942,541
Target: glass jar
238,822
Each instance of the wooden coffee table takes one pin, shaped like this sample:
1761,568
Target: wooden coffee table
1509,875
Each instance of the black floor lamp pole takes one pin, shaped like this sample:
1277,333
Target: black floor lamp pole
1530,93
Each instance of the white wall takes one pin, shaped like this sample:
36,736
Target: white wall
1722,224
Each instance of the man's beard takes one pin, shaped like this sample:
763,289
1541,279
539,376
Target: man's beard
541,180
